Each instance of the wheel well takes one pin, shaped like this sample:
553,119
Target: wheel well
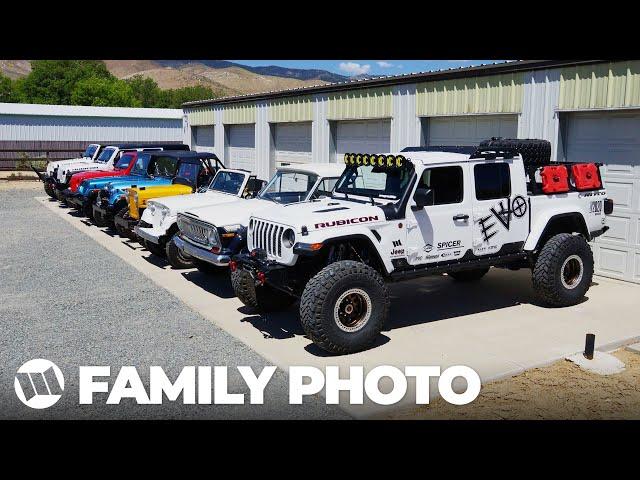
359,245
564,223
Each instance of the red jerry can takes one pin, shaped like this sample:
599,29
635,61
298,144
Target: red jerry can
555,179
585,176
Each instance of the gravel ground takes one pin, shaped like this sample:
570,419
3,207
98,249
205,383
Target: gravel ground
558,392
67,299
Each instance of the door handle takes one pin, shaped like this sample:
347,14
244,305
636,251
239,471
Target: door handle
461,216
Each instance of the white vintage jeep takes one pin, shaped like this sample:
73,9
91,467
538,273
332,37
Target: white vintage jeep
211,235
422,211
158,225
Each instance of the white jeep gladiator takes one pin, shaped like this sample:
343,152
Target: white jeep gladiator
158,225
212,235
423,211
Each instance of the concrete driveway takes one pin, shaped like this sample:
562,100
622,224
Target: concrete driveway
494,326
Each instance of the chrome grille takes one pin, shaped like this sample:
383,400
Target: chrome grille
267,236
196,230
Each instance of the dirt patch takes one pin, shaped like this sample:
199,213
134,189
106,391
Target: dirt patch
562,391
30,184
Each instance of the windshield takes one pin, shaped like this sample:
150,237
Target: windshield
164,166
289,187
91,149
227,182
141,165
124,161
189,171
106,155
375,181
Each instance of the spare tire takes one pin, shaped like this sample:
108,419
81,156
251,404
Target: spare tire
533,151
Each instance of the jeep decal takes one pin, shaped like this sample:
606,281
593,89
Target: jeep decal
347,221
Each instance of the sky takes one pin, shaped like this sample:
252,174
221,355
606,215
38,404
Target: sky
368,67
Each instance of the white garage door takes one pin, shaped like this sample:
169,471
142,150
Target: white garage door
241,152
470,130
293,142
370,136
613,139
203,138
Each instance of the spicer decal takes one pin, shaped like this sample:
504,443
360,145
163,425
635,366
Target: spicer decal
347,221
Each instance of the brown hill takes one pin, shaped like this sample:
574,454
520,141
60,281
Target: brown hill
228,81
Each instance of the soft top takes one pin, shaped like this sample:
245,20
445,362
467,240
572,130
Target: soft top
184,156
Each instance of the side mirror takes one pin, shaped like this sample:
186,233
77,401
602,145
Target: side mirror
423,198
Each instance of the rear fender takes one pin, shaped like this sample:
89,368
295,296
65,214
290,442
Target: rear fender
558,220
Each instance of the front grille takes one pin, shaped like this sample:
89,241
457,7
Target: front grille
266,236
196,230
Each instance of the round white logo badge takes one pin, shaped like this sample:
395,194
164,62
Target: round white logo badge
39,383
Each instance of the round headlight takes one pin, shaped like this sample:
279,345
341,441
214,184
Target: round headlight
288,238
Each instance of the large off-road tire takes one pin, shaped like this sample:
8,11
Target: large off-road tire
154,248
100,221
87,210
176,257
563,271
50,190
344,307
533,151
123,213
263,298
469,275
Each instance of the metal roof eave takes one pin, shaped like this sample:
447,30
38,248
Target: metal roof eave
474,71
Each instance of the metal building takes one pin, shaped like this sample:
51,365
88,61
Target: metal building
589,110
57,131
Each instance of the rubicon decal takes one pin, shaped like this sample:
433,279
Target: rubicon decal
347,221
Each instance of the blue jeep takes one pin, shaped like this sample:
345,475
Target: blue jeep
151,169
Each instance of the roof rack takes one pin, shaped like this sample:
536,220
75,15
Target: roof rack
465,149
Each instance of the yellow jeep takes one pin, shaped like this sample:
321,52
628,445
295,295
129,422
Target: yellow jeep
195,170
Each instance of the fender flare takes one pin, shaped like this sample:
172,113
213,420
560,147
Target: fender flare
542,225
369,239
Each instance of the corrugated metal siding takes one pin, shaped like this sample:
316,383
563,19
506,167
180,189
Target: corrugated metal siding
538,118
360,104
493,94
88,129
239,113
608,85
200,116
296,109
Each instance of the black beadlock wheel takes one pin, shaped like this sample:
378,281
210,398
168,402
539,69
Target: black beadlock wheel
344,307
563,271
469,275
87,210
262,298
176,257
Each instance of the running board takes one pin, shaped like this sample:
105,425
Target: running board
478,262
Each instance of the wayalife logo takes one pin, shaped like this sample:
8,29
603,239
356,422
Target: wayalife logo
39,383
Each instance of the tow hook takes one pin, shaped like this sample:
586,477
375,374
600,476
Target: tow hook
262,278
233,265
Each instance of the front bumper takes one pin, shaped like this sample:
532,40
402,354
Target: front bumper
275,274
125,223
151,234
218,259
